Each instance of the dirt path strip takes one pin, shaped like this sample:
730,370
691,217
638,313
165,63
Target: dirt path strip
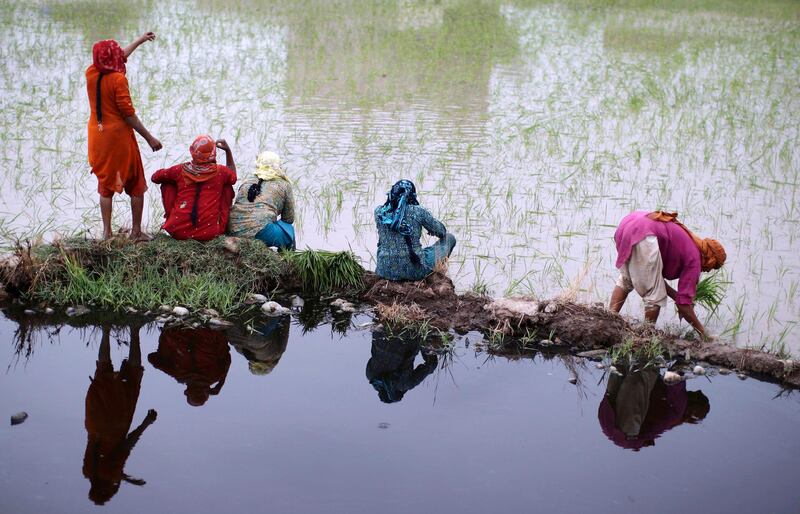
511,322
512,325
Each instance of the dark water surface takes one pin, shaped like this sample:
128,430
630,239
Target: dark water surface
314,433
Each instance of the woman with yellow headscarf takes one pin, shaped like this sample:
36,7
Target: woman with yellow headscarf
264,206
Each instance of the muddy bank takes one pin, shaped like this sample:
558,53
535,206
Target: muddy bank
520,325
221,274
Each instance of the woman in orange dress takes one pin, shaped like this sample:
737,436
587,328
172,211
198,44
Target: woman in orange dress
113,152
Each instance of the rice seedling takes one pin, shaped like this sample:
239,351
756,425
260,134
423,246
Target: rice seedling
637,354
711,292
531,127
326,271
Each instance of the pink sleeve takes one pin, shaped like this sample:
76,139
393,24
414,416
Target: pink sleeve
687,283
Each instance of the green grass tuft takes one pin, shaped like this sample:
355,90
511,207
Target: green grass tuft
117,274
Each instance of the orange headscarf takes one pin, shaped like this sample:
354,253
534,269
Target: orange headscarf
204,159
712,254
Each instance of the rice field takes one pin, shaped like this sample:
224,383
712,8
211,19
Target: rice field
530,127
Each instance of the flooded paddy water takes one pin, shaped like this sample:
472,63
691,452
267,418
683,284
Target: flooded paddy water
530,128
315,420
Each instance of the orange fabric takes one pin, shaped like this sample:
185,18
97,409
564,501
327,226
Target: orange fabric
712,253
135,186
110,405
113,151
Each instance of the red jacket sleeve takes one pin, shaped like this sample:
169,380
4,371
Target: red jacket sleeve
168,175
229,174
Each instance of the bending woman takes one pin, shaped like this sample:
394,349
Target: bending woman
261,199
400,221
197,195
113,152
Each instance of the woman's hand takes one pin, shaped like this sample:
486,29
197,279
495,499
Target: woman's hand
223,145
147,36
154,143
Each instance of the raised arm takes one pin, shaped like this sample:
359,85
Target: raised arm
223,145
147,36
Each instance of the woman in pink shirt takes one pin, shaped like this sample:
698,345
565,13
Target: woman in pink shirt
653,246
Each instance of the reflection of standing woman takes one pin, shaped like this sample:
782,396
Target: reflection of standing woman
113,152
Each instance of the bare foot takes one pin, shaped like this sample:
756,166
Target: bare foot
140,237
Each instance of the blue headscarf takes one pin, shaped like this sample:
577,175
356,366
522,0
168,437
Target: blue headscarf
393,212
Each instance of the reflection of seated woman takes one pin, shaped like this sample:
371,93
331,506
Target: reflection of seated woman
261,200
110,405
264,347
199,358
391,369
197,195
638,407
400,222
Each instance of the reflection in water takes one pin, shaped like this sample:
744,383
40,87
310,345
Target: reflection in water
264,346
197,357
110,405
638,407
391,369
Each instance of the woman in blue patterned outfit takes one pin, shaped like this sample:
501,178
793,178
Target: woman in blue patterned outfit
400,221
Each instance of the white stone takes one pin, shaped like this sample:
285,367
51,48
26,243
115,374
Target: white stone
256,298
724,371
551,308
165,309
573,380
130,310
217,322
30,312
80,310
546,342
49,311
180,311
699,370
670,377
272,308
297,302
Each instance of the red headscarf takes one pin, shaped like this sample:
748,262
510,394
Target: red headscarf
204,159
108,56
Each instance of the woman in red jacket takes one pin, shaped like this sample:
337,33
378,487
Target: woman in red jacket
197,195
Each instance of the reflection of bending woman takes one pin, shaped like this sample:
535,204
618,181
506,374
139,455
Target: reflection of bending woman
391,369
110,405
638,407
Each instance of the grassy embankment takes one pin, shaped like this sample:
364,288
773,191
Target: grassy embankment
116,274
